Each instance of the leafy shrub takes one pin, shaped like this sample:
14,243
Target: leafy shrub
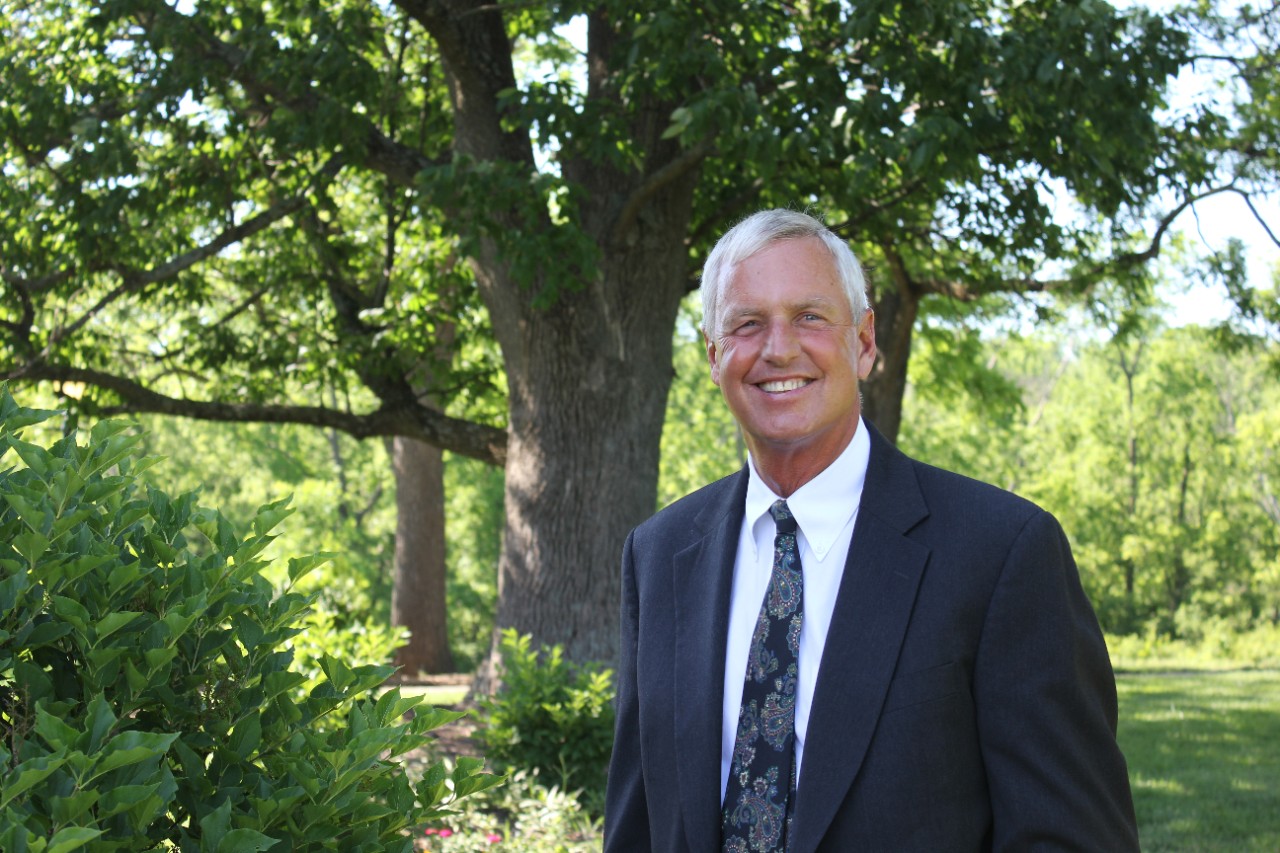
354,642
552,716
148,699
523,815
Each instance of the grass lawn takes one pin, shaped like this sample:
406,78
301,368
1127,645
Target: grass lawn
1204,758
441,695
1203,750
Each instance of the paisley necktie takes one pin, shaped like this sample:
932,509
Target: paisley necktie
760,796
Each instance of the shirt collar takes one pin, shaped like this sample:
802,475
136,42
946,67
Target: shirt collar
823,506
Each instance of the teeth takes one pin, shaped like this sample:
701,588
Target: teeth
788,385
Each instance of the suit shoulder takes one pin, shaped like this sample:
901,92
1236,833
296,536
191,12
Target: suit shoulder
687,515
974,503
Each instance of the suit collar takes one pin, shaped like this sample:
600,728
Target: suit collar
702,581
873,608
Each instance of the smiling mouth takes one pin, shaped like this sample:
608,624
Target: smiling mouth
784,385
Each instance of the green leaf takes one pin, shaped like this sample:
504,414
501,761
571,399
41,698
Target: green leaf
123,798
55,732
181,618
71,838
28,774
113,622
11,588
247,737
129,748
33,680
47,633
340,675
35,457
214,826
123,575
270,515
101,721
64,484
157,659
69,808
136,680
245,841
15,418
81,566
71,611
31,545
301,566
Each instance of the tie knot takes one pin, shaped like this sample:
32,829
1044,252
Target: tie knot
782,517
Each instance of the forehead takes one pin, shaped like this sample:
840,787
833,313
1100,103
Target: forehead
788,272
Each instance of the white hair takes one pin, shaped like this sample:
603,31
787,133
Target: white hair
760,231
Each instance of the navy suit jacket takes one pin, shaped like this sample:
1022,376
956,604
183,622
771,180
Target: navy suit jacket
964,701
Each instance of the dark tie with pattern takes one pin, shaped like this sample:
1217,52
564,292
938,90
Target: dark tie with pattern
761,792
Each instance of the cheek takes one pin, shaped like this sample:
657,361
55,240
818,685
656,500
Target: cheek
722,360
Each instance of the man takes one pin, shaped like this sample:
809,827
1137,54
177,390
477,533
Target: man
839,648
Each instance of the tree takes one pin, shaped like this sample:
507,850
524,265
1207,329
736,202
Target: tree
1145,441
283,201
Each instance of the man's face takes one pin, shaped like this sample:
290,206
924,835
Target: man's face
787,355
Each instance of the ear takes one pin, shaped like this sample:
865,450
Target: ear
713,358
866,344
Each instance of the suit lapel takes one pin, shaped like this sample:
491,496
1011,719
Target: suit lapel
702,582
873,609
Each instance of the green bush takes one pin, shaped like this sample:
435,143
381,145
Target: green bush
524,816
551,716
148,695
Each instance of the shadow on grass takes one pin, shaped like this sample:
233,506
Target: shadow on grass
1203,759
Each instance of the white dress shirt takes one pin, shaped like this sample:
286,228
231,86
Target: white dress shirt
825,509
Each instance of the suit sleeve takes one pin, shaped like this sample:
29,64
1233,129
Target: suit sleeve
1046,703
626,814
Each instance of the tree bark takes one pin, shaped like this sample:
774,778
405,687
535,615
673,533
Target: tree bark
896,308
418,600
588,382
588,376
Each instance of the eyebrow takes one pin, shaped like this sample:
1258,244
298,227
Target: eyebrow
791,308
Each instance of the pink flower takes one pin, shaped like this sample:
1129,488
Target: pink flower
445,833
493,838
430,831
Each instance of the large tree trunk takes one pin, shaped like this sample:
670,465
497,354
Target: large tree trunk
882,392
588,383
418,591
588,376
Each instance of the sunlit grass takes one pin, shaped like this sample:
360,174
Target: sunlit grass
1204,759
441,695
1203,751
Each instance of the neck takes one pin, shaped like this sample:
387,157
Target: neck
784,469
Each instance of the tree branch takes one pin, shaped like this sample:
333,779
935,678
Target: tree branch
381,153
1248,199
477,441
473,42
1127,260
675,169
134,280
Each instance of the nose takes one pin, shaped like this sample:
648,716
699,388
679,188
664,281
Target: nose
781,343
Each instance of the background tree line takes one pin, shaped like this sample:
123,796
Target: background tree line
1153,444
451,225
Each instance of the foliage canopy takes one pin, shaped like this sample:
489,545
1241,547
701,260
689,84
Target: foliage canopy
331,213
